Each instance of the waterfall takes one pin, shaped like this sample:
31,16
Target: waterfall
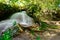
23,18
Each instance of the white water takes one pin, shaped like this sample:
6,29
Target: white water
20,17
23,18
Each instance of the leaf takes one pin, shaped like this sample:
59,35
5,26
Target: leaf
38,38
32,32
14,0
14,23
43,26
6,35
27,0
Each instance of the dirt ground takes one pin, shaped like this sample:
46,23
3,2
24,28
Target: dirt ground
51,34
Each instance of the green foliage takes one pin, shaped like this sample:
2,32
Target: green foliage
39,10
44,26
7,35
38,38
32,32
50,4
14,0
14,23
53,26
57,3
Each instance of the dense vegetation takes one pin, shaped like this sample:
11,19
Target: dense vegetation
39,10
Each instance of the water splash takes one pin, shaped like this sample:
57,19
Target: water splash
23,18
5,25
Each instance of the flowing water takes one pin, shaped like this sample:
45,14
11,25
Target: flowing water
21,17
